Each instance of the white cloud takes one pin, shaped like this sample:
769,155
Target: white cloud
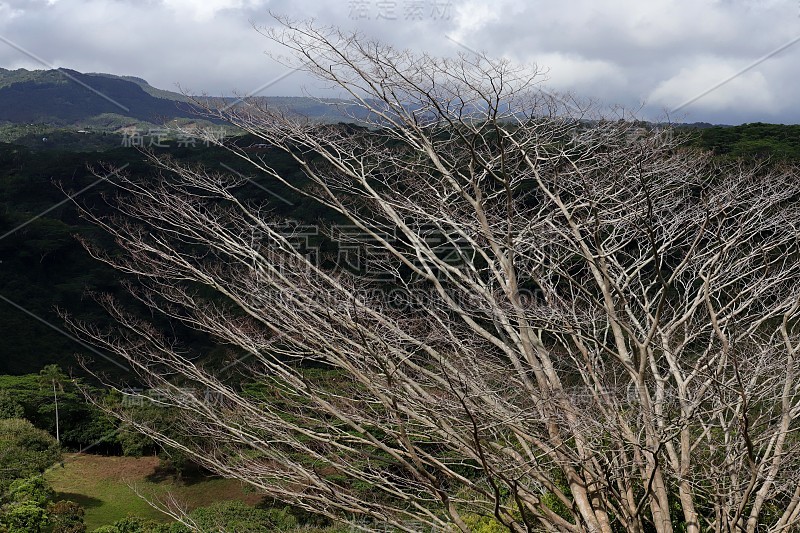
621,51
204,10
699,86
576,73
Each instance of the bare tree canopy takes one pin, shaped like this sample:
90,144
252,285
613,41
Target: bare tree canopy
600,330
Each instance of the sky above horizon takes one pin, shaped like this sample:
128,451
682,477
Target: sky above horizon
718,61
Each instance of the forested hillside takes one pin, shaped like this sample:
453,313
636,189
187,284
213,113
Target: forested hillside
752,141
62,97
42,265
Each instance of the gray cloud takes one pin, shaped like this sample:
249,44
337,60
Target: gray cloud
656,54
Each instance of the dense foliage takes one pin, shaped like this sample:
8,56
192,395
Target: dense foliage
43,267
24,451
756,141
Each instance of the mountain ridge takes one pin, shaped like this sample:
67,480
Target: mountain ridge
109,102
62,97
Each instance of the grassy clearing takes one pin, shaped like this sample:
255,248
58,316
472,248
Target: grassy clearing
107,487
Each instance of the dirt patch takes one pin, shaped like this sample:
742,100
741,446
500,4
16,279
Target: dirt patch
114,468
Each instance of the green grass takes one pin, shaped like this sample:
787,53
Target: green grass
106,487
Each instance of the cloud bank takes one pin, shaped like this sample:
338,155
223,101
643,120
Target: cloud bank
649,56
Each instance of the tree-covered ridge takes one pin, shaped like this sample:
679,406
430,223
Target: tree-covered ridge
21,75
62,97
778,142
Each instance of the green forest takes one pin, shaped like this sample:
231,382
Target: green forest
47,377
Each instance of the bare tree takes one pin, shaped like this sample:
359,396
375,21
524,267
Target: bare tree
600,332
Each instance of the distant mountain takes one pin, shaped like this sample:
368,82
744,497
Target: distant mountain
67,97
64,97
146,87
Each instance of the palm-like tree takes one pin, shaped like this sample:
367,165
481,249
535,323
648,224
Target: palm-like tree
52,376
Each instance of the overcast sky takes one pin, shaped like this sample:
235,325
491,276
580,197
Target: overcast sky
652,55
